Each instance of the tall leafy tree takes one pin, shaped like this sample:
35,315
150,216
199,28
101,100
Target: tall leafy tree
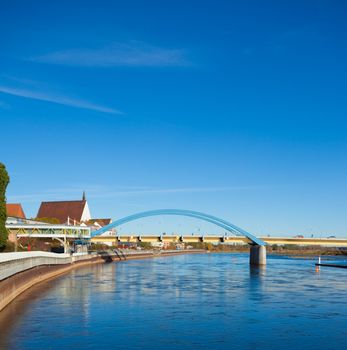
4,180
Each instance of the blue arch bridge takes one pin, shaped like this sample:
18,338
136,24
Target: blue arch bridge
258,246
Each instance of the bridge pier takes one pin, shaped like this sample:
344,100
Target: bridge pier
257,255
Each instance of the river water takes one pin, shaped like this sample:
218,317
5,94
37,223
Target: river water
205,301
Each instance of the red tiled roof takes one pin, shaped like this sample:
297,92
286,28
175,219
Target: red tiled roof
62,210
15,209
101,222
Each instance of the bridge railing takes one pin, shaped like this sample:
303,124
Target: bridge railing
49,230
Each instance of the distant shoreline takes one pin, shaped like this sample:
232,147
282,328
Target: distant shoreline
292,252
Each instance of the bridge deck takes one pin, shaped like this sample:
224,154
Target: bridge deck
336,242
72,232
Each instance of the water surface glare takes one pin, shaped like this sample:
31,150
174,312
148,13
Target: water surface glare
205,301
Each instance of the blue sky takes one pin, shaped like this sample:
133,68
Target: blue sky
234,108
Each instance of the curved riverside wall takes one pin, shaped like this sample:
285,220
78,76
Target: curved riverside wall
20,271
12,263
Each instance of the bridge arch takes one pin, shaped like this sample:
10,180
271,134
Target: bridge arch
181,212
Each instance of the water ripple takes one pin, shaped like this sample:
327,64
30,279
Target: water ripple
213,301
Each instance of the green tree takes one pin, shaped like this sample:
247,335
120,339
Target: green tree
4,180
145,245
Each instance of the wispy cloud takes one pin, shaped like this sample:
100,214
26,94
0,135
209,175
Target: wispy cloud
141,192
135,54
56,98
103,193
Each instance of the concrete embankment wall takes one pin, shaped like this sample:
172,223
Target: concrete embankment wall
12,263
20,271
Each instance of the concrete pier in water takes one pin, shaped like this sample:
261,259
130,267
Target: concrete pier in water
257,255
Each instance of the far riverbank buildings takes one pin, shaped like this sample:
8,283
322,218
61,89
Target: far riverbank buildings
15,210
71,213
66,212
